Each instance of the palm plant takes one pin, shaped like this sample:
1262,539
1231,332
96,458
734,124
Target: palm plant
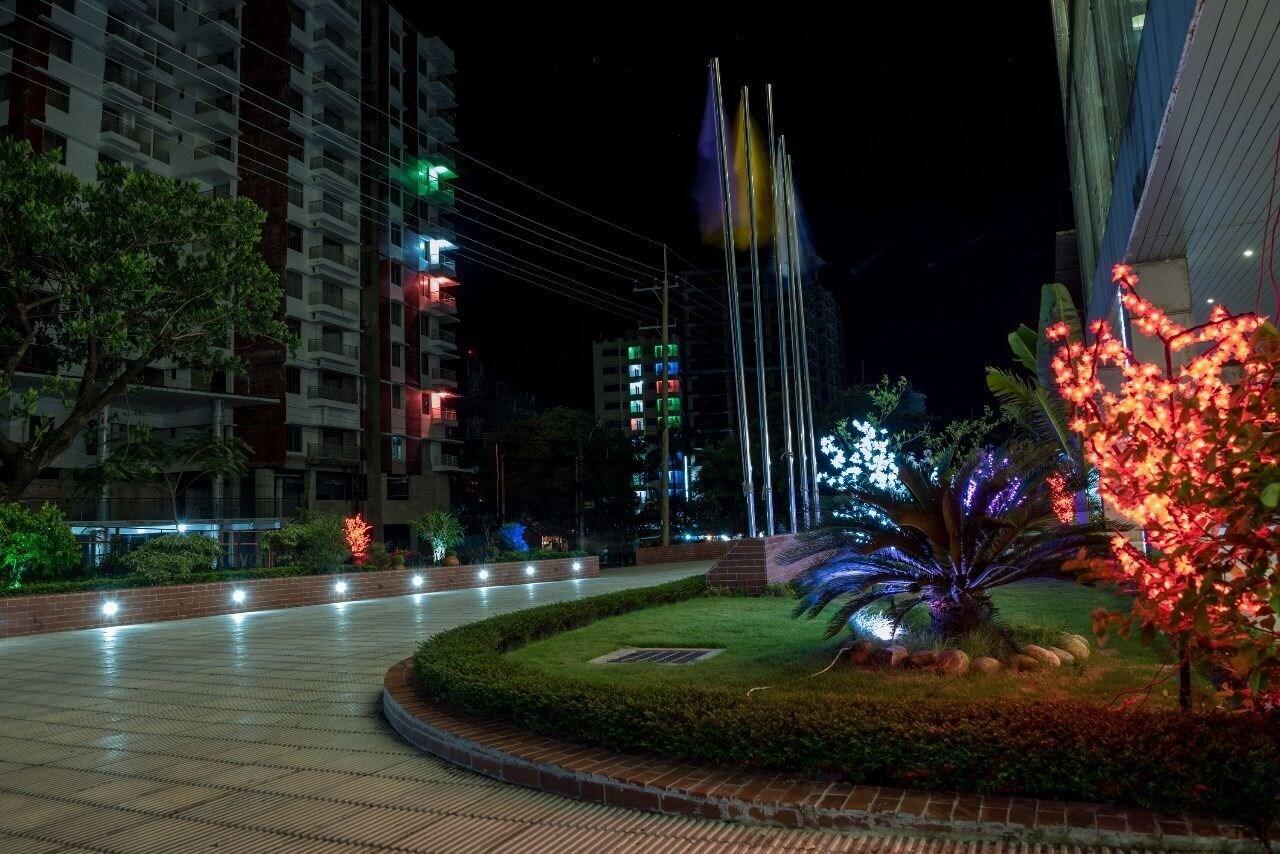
942,543
441,529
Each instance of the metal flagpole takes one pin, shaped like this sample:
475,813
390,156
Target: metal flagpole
793,287
779,208
735,312
811,476
762,387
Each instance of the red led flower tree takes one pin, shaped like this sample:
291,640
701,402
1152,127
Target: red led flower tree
356,530
1187,451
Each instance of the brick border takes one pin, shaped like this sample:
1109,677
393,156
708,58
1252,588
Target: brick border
514,755
677,552
60,612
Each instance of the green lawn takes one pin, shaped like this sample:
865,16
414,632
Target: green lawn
765,646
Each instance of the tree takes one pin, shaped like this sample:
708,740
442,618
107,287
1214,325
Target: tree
441,529
1191,454
314,543
357,533
719,505
142,458
35,545
100,281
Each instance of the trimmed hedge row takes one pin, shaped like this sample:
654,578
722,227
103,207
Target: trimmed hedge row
121,582
1221,764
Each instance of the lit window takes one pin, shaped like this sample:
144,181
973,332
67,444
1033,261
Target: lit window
636,371
637,425
637,407
633,352
637,388
397,447
673,420
673,404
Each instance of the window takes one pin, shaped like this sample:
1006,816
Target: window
296,57
106,159
613,404
294,325
397,484
637,479
673,404
609,353
397,232
672,385
637,425
636,388
57,95
394,39
297,147
331,486
397,314
673,420
293,99
297,16
397,355
295,238
293,284
293,380
633,352
56,141
394,79
59,46
397,397
295,192
69,5
611,388
637,407
397,448
293,439
635,371
609,370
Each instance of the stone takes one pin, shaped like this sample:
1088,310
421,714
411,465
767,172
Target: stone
890,656
1065,657
922,659
953,662
1024,662
861,652
985,664
1042,655
1077,645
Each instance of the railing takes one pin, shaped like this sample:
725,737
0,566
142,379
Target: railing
445,300
225,104
342,394
334,254
335,38
333,209
334,301
227,59
333,453
446,336
119,29
214,149
112,123
445,374
337,348
334,79
187,508
335,166
348,7
325,119
448,461
447,416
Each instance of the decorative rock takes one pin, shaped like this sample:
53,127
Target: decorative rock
1065,657
953,662
923,658
861,652
985,664
1077,645
1024,662
1042,655
890,656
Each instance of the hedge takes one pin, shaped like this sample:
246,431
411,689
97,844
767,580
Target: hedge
122,582
1225,765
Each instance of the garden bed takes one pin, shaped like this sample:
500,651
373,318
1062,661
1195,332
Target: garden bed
1032,736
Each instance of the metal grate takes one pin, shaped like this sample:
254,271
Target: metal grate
657,655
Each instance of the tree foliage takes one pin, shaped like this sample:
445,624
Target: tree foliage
1189,452
441,529
99,281
35,545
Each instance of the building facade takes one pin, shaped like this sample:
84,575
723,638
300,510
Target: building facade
1171,138
330,115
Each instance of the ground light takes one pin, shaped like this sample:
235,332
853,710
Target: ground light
238,596
483,575
1248,253
340,587
529,570
416,581
110,608
577,566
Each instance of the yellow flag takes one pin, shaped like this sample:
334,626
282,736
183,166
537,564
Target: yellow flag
744,125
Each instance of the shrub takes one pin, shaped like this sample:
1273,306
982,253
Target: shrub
511,537
81,585
314,543
36,546
1216,763
441,530
173,557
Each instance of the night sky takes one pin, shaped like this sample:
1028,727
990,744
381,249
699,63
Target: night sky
929,156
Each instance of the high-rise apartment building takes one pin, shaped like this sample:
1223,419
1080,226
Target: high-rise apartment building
1171,140
330,115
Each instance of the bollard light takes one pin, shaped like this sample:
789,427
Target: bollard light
416,581
110,608
238,596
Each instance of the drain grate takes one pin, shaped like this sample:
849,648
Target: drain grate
657,655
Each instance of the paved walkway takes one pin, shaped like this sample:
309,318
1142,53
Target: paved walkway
260,732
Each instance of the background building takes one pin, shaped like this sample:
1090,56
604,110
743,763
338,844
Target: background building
1171,127
330,115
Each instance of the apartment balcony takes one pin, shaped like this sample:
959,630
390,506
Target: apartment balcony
334,89
443,379
442,341
326,125
439,54
326,394
440,127
137,7
121,86
220,69
347,10
213,162
439,414
327,305
447,463
330,217
440,93
442,305
333,174
334,43
442,265
218,29
128,45
325,453
122,140
215,114
334,263
322,347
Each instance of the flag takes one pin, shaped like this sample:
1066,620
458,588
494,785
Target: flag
706,190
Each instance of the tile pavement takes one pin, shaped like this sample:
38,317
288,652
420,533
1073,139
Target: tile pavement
261,733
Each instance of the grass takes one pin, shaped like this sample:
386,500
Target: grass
765,646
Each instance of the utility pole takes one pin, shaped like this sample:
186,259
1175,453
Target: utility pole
663,408
577,479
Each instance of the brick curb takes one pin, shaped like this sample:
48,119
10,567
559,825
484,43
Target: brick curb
61,612
514,755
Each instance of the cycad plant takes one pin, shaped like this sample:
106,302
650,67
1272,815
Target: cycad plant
942,543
